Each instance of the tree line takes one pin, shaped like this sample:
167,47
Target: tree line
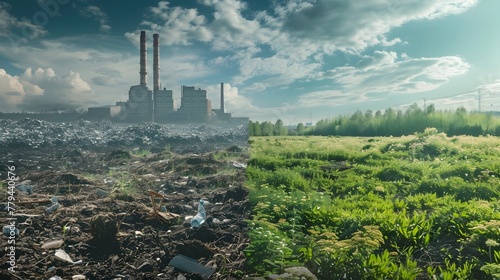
391,123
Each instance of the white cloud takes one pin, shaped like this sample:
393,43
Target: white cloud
233,100
109,73
11,92
18,30
256,87
384,72
490,85
329,98
97,14
231,30
355,25
297,35
43,89
176,25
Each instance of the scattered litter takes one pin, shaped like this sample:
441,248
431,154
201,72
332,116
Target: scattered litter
78,277
199,219
63,256
163,216
101,193
52,244
55,278
53,208
216,221
239,165
138,233
190,265
54,199
8,230
25,188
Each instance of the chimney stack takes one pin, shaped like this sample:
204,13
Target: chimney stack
156,62
222,97
143,73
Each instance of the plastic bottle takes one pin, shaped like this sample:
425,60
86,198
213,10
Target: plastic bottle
199,219
53,208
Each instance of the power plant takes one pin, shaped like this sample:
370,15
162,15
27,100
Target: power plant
157,105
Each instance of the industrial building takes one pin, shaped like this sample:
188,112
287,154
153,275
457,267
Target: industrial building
104,112
157,105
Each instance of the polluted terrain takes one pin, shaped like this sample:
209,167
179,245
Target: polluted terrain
96,200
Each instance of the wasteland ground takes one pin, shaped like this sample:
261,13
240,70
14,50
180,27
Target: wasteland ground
107,218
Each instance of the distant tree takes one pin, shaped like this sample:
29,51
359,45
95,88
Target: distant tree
368,115
284,131
251,128
430,109
497,130
278,127
267,129
300,129
257,129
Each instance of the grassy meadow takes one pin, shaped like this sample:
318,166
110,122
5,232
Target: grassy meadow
423,206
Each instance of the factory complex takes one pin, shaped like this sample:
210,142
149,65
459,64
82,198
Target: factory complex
157,105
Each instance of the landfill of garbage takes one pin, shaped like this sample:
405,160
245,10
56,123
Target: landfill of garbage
34,134
96,200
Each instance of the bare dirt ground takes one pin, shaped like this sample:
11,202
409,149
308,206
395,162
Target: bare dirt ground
110,225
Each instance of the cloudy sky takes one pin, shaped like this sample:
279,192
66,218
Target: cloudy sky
298,60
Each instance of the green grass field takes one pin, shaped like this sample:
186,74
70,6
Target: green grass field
423,206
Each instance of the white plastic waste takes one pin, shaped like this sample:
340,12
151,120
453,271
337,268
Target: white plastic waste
52,244
200,218
63,256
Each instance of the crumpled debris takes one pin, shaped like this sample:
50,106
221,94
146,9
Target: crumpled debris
63,256
239,165
31,133
190,265
25,187
52,244
200,218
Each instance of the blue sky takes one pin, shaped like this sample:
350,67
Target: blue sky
297,60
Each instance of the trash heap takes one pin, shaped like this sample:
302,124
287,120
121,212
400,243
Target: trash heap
119,214
33,134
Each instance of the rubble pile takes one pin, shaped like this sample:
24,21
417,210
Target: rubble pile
33,134
94,202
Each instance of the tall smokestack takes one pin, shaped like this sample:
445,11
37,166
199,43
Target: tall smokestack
222,97
156,62
143,72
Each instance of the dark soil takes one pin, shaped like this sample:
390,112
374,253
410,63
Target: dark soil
106,217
